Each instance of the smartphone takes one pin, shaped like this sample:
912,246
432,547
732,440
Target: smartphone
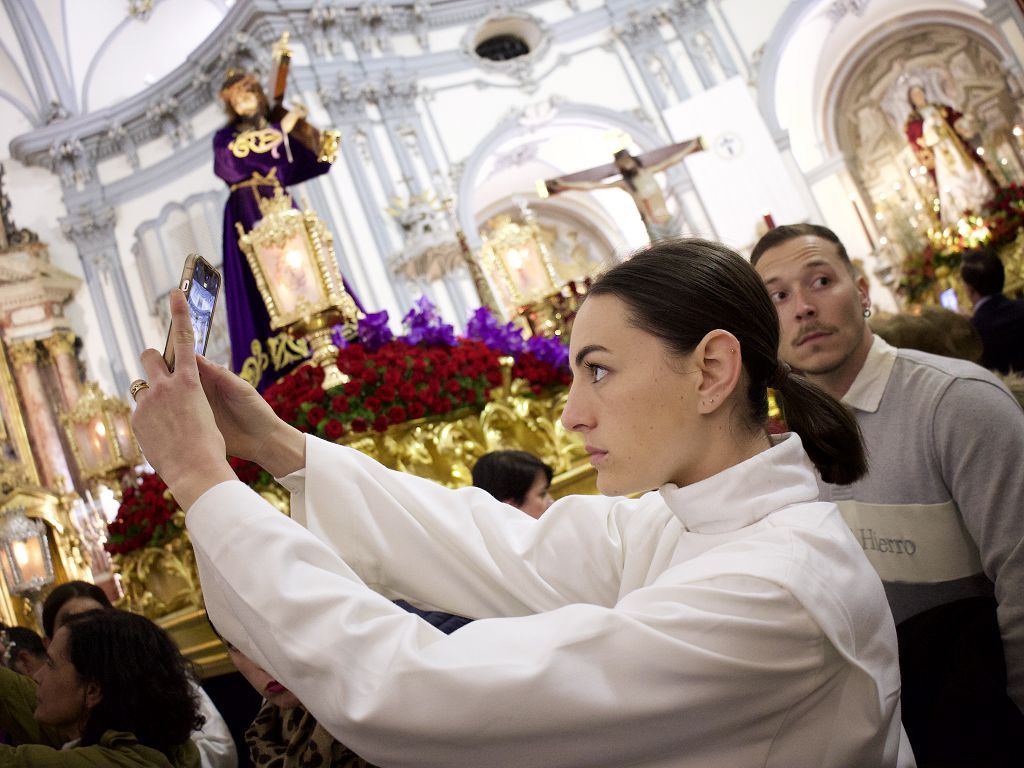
200,283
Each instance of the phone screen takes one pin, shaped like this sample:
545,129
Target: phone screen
201,283
200,308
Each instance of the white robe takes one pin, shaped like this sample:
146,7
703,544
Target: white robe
733,622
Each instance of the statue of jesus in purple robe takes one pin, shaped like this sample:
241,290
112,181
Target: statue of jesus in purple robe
258,152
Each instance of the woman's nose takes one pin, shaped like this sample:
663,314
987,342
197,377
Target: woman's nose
573,415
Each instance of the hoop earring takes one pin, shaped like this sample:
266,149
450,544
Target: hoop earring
867,311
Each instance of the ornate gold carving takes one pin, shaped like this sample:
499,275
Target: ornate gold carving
160,580
23,353
445,450
260,141
60,343
19,443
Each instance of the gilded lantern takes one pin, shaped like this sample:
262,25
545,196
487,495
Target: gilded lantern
24,553
100,435
291,255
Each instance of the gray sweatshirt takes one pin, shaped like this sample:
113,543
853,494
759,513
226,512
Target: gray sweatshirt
940,513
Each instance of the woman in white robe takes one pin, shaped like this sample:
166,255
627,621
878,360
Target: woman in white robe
726,619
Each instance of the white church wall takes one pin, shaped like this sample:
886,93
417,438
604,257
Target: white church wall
752,22
741,176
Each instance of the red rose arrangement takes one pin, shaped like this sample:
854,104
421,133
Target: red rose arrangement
395,383
144,518
146,515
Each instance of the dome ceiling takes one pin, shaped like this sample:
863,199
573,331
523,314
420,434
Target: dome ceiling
64,58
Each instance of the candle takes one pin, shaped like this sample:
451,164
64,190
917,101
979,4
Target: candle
863,224
768,220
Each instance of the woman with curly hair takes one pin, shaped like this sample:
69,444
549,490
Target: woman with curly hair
214,741
114,691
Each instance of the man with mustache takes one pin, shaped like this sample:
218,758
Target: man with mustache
939,513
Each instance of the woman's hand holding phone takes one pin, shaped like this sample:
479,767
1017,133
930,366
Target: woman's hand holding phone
249,425
173,421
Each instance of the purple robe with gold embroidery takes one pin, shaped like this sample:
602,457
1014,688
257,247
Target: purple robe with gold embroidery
247,314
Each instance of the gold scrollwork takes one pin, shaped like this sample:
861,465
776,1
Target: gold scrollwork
260,141
285,350
256,364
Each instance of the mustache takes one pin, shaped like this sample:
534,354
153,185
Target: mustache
809,329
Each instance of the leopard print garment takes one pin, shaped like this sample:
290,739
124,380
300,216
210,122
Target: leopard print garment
291,738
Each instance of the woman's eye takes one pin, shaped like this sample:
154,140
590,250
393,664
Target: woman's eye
597,372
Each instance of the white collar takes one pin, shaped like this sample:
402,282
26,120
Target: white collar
867,389
743,494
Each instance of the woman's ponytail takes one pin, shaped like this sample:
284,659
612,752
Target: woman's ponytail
827,428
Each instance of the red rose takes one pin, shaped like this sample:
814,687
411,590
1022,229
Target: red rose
372,403
315,415
453,386
380,424
387,392
354,387
334,429
407,390
392,375
370,375
359,424
396,414
416,410
339,404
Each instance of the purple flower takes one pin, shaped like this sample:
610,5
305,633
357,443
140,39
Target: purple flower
374,332
549,350
484,326
424,325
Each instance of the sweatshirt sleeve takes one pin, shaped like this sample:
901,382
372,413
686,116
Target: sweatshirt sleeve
979,440
458,551
671,668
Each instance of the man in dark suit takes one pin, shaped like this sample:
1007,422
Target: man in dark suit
999,320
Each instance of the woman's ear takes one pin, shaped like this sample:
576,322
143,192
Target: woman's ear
93,695
720,364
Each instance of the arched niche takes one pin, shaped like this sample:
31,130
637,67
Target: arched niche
957,64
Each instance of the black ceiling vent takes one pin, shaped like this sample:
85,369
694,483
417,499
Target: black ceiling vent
502,48
510,42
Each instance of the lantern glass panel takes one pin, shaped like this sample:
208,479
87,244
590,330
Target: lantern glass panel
125,441
24,553
93,444
292,275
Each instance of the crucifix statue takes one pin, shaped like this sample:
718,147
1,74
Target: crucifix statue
635,175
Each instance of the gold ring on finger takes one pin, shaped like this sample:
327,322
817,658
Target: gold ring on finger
137,386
